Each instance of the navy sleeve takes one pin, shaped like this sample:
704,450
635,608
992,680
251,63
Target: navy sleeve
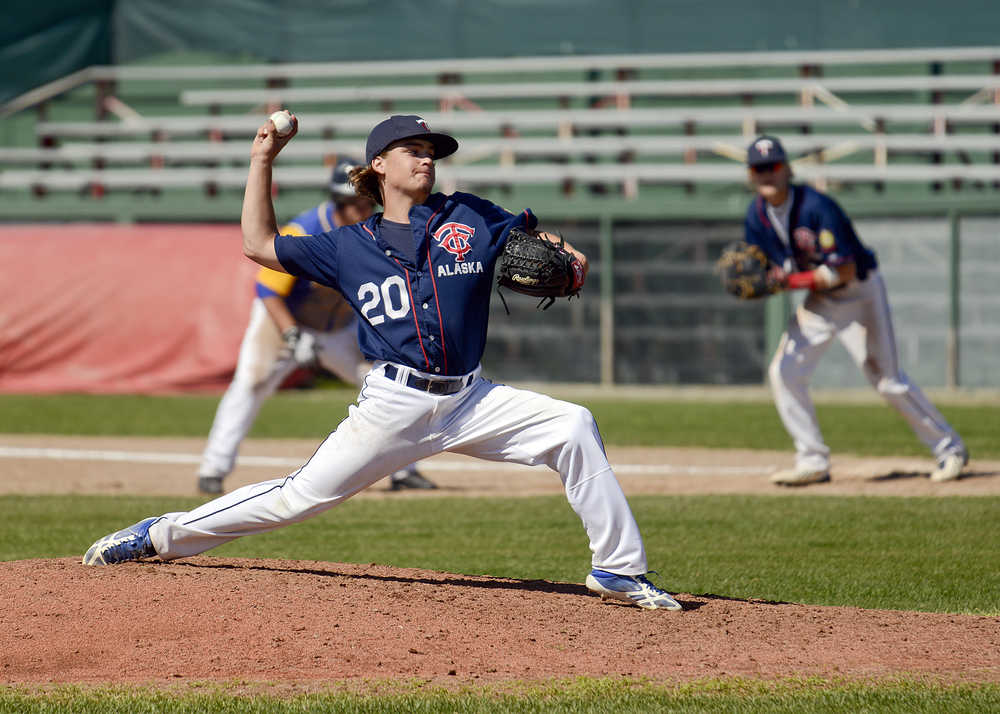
504,223
835,234
499,220
310,257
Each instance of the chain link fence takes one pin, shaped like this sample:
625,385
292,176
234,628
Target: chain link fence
654,308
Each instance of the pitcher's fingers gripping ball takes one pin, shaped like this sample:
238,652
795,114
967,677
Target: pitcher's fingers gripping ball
532,265
282,121
745,272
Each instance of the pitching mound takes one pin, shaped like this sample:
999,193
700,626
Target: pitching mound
307,623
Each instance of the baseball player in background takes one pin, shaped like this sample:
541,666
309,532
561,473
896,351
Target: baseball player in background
420,275
293,323
812,244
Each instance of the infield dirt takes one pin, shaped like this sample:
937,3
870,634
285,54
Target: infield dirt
307,624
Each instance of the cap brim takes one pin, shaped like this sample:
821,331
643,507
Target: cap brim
343,189
764,161
444,145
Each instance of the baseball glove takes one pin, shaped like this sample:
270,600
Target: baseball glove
744,271
535,266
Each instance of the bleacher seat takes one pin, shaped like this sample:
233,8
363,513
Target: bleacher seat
560,147
656,128
624,91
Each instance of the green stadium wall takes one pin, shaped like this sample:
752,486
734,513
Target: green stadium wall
40,42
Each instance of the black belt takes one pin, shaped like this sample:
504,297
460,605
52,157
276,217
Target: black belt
431,386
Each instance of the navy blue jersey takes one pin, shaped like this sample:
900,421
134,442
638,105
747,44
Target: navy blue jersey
819,230
430,315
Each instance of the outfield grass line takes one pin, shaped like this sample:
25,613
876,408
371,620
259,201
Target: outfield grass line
167,457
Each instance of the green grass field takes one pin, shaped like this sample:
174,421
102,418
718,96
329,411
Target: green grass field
866,429
928,554
825,550
577,696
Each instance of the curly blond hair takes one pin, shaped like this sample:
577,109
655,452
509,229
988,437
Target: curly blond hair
365,182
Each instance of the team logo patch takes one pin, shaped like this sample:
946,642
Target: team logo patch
805,240
826,240
454,238
764,147
423,124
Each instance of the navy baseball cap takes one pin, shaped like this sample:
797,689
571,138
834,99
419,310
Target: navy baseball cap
765,150
340,178
407,126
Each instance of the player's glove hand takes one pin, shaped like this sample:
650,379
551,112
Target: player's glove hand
745,272
300,346
535,266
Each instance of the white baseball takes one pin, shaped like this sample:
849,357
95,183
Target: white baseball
282,122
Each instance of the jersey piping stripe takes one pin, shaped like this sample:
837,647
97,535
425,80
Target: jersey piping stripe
437,305
437,302
369,231
416,324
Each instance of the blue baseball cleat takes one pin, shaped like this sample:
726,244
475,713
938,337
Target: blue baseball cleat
633,589
131,543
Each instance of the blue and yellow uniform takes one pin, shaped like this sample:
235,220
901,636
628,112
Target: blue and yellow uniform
264,362
311,304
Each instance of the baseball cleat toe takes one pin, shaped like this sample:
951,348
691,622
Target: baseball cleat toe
631,589
130,543
800,477
950,467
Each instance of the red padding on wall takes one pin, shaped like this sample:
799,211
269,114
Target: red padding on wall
146,308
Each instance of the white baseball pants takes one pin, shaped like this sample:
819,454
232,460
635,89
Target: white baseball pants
393,424
858,315
259,372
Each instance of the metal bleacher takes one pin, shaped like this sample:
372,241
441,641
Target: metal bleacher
631,123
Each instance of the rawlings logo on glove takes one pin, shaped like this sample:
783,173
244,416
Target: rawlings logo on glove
538,267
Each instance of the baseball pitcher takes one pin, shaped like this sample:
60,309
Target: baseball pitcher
420,276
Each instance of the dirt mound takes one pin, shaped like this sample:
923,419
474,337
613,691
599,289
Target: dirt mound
308,623
305,623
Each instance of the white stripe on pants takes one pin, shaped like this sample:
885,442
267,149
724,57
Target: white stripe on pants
393,425
858,315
